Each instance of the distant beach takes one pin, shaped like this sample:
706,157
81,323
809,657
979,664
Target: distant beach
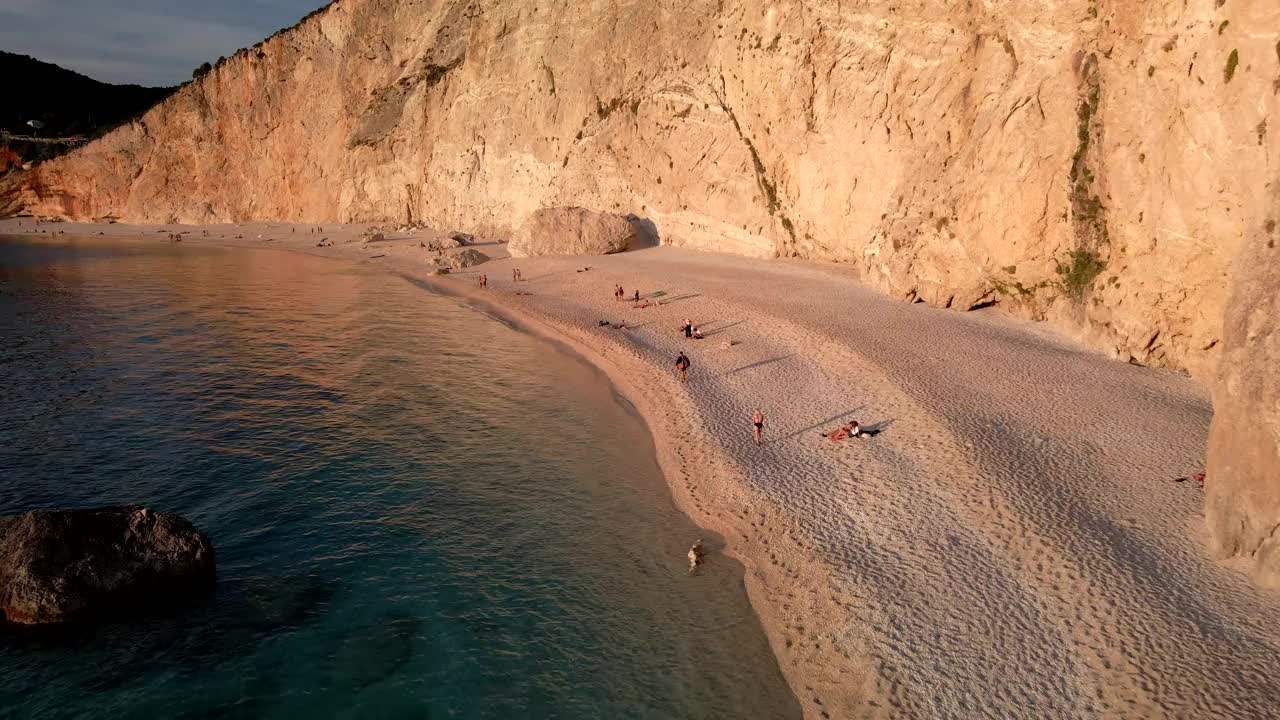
1014,540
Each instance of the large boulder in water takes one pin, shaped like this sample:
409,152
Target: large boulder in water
61,566
572,231
1242,483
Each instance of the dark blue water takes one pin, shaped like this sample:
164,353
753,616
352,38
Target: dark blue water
418,511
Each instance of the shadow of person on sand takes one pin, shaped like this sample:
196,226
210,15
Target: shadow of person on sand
722,328
761,363
876,428
547,275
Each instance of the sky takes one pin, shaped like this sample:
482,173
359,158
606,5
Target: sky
144,42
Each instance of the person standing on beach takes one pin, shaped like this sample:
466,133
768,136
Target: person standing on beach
687,329
682,364
637,296
757,420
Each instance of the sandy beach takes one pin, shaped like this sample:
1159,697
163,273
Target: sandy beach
1013,542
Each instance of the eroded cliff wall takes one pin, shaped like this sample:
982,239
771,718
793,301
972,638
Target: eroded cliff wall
1093,162
1242,490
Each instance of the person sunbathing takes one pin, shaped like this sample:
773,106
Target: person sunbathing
697,333
848,430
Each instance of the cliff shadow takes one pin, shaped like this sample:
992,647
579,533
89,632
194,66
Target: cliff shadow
646,233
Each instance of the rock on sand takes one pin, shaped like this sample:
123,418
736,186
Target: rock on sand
467,258
572,231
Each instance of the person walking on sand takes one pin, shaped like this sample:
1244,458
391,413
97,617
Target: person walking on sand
757,421
682,364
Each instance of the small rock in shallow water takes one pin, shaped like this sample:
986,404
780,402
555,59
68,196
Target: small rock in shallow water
279,603
372,653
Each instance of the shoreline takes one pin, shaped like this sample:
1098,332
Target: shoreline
1012,520
756,579
562,341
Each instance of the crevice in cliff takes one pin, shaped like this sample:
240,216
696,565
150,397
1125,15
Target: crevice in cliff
551,76
1270,539
768,187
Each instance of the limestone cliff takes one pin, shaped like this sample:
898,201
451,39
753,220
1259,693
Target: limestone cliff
1242,490
1093,162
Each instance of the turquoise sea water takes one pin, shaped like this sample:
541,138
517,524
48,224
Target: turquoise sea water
419,512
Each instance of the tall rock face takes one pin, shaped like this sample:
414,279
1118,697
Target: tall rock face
1242,487
1092,162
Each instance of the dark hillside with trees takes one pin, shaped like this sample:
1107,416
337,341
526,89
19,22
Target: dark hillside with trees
64,103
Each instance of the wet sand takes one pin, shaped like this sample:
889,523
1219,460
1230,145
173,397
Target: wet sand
1011,543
